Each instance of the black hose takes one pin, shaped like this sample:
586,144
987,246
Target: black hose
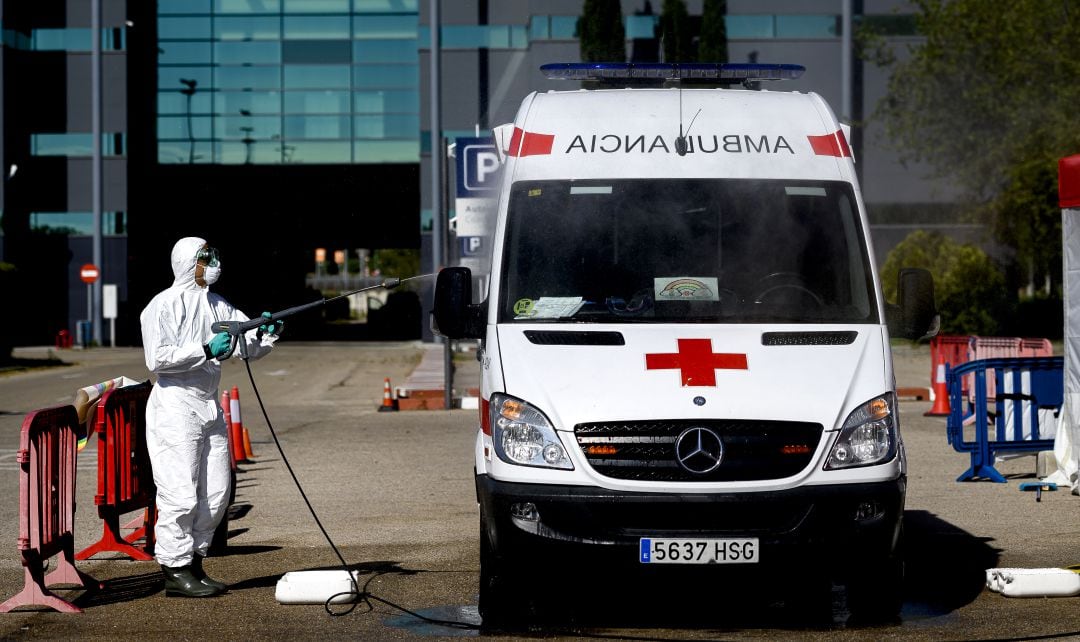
358,596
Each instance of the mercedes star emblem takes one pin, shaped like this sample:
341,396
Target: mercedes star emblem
699,450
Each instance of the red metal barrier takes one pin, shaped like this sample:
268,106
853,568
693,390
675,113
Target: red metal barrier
951,349
995,348
1036,348
47,508
125,479
992,348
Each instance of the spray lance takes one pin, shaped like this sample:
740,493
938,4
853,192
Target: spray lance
236,329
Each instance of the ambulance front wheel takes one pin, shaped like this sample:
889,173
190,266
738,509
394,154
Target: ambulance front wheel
504,603
875,593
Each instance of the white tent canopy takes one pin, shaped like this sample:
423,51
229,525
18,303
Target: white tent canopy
1067,439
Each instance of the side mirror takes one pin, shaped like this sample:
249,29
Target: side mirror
455,316
914,316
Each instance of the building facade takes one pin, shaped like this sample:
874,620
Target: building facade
276,127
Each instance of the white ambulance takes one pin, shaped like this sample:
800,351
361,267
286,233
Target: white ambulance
685,348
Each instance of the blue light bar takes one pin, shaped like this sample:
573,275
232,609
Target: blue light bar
732,72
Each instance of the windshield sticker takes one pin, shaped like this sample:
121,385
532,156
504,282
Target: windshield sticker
536,192
686,289
548,307
523,308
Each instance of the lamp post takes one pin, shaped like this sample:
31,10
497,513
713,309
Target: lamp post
845,60
189,91
438,220
94,308
247,139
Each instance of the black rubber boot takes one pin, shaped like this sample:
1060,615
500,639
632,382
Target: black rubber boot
200,574
181,582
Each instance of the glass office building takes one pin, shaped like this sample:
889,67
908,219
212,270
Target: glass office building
287,81
281,126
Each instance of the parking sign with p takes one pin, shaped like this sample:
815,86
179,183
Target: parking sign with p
478,167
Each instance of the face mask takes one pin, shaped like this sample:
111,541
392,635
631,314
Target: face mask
212,274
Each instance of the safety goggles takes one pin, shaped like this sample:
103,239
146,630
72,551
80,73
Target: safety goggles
208,256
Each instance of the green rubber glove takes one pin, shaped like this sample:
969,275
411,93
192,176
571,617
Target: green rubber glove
274,328
220,346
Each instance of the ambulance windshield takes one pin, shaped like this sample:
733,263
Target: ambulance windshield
695,250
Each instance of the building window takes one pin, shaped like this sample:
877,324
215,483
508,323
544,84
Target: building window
79,223
112,39
739,26
75,144
479,36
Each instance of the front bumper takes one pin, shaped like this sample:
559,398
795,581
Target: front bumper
607,524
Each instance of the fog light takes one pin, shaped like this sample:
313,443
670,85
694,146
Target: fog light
525,510
553,453
867,510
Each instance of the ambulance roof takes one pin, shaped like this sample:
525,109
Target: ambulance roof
631,133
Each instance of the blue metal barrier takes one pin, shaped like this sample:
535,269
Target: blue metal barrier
1023,386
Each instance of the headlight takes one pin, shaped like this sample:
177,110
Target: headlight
868,436
523,435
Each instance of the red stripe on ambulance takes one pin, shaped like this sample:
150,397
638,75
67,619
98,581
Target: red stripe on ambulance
524,143
834,144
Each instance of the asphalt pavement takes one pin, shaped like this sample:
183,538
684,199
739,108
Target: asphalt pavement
394,491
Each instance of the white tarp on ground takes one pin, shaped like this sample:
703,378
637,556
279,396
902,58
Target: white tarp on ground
1067,439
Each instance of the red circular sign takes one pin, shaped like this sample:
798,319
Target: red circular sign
89,273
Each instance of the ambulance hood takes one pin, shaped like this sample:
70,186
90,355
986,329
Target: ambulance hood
635,372
632,133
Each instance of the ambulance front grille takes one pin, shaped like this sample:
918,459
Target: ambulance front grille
646,450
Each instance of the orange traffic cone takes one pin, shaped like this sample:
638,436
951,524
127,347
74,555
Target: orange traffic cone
248,454
236,426
226,409
388,404
941,392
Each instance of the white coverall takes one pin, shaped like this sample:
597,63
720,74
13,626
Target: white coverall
185,430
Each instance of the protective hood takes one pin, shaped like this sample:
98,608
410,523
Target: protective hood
183,261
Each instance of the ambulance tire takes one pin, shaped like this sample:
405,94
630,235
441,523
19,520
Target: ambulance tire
876,597
503,604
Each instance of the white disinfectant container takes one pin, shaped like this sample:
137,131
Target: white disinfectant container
1033,582
316,587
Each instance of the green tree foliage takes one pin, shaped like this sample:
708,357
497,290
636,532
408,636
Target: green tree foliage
712,47
601,32
396,263
990,101
969,289
675,33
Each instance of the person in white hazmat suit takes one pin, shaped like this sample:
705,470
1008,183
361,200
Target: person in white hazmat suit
185,429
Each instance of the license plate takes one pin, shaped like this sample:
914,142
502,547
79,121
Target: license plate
699,551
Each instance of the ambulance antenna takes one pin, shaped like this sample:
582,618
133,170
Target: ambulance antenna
680,142
681,147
